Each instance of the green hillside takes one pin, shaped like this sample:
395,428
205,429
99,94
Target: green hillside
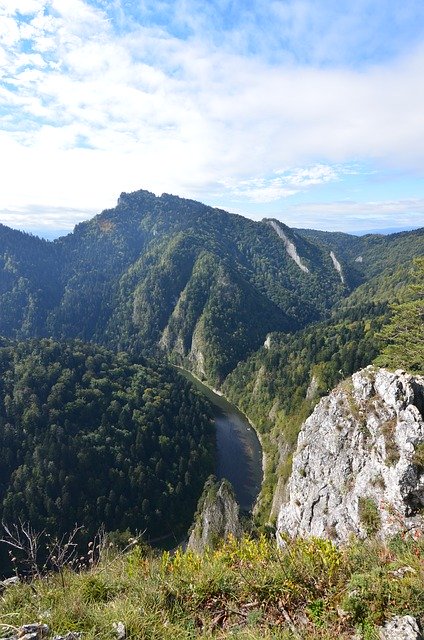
173,276
94,438
278,386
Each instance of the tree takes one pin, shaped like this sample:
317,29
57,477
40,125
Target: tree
403,336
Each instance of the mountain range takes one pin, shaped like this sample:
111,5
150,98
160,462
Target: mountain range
273,316
166,275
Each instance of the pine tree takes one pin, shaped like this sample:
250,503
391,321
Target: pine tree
404,335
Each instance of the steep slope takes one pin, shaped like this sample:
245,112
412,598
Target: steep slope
367,256
29,283
278,386
165,274
359,463
217,517
162,272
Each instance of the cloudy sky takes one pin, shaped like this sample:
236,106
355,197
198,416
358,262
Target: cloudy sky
308,111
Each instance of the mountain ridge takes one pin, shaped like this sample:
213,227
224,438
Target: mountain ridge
164,275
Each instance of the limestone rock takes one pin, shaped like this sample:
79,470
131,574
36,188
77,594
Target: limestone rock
119,630
9,582
400,628
34,631
218,516
38,631
359,463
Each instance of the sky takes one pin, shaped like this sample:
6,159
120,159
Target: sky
308,111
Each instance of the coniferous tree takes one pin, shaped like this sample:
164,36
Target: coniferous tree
404,335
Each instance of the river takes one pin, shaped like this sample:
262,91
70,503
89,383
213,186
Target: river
239,453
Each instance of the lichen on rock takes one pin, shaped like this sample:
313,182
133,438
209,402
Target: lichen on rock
357,468
217,517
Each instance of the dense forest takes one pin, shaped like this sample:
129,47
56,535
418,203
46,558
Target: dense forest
169,276
94,438
273,316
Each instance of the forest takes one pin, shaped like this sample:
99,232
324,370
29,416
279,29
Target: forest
90,437
97,427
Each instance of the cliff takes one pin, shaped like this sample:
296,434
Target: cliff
359,464
217,517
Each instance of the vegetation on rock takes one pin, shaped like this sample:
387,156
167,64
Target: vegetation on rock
248,590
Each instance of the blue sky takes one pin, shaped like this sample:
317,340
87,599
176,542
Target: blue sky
310,112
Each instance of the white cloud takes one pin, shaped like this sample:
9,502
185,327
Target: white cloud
43,218
190,116
355,216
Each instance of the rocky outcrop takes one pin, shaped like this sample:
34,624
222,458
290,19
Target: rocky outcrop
196,356
400,628
337,266
217,517
289,245
359,463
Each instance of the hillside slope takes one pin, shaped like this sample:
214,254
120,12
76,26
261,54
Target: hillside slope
90,437
165,274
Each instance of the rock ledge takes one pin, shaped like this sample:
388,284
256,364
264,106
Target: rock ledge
359,464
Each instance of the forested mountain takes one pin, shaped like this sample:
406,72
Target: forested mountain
274,315
367,256
106,432
90,437
279,385
175,276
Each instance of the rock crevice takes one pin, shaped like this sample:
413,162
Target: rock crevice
359,463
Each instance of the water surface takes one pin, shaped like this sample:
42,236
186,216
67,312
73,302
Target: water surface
239,453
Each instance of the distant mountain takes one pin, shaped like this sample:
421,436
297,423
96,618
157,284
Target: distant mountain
170,275
369,255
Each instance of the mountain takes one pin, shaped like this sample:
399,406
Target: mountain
96,431
367,256
172,276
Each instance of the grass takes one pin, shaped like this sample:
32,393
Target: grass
392,452
419,455
369,516
246,590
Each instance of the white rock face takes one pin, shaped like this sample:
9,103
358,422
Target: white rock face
196,355
400,628
290,247
356,467
337,266
219,518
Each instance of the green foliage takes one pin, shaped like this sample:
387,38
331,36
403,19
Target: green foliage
175,273
369,515
90,437
249,589
404,334
418,458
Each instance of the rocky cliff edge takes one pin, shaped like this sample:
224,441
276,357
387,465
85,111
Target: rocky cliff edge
217,517
359,464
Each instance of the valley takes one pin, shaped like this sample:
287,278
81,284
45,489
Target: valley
273,317
113,338
239,456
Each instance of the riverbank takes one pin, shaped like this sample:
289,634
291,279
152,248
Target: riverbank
232,423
